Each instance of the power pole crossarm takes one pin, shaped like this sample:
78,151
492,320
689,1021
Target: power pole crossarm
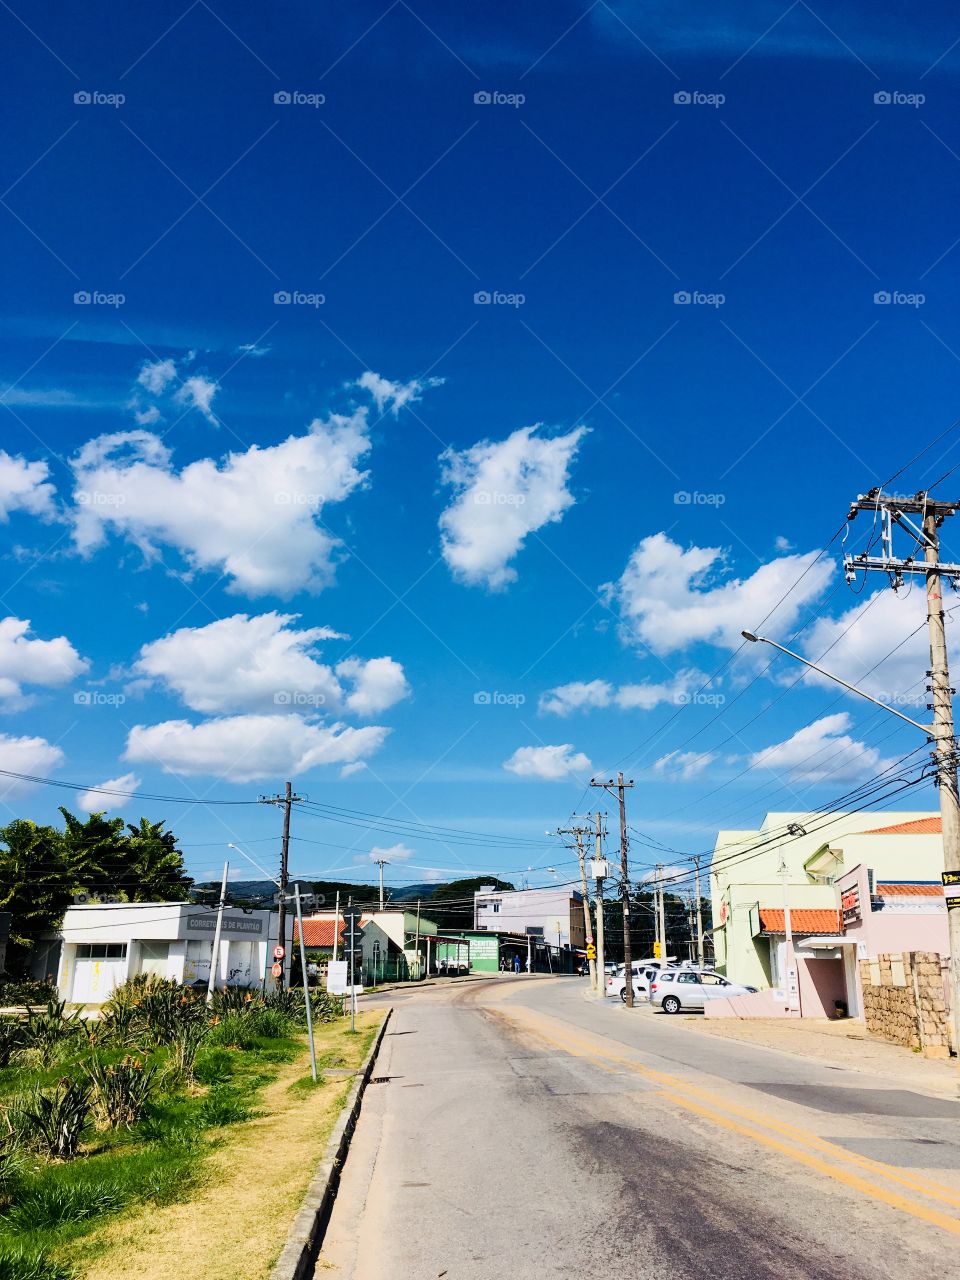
287,800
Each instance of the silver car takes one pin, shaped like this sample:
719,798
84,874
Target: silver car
676,989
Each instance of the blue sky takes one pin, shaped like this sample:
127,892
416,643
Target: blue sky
438,557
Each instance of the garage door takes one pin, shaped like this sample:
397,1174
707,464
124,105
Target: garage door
99,968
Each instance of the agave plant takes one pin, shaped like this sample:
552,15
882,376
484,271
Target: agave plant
121,1090
47,1029
185,1046
58,1119
12,1037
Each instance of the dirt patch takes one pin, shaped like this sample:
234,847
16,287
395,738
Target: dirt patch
237,1223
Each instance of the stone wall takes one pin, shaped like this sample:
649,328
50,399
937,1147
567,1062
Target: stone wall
904,1000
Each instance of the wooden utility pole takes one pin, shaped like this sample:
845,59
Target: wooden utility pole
287,800
620,787
696,875
905,514
578,833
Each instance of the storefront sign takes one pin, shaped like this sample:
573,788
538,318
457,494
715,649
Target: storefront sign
951,888
850,904
231,924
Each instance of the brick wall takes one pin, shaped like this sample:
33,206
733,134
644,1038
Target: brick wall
904,1000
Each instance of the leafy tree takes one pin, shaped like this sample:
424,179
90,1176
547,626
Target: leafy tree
154,871
35,881
95,850
450,906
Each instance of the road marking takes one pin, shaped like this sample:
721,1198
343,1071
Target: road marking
684,1093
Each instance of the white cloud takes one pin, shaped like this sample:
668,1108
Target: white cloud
394,853
822,751
391,397
378,683
95,801
250,516
251,349
156,375
349,770
250,748
855,642
25,755
684,765
583,696
23,660
262,662
504,490
197,392
553,764
782,544
25,486
670,598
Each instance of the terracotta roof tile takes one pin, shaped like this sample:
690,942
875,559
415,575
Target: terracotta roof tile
319,933
919,827
910,890
802,920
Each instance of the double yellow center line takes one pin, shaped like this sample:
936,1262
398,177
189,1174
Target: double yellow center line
859,1173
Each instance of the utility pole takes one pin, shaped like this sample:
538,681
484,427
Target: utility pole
578,833
381,863
661,914
287,800
215,955
931,515
620,786
306,985
599,867
657,937
696,881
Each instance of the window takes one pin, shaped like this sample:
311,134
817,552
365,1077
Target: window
102,951
688,977
495,906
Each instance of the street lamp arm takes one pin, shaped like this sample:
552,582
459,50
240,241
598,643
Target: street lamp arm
924,728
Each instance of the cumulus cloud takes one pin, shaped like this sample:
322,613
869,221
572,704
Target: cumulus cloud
586,695
503,491
25,755
197,392
391,397
23,660
822,751
97,801
156,375
251,516
349,770
394,853
262,662
250,748
25,486
670,598
553,764
683,765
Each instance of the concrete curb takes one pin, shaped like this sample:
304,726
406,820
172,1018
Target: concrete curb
299,1255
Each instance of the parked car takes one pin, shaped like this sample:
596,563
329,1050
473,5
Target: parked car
676,989
617,986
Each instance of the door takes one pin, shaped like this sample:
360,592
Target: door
153,958
98,969
690,990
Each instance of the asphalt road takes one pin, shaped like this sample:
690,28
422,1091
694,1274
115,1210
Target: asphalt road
521,1131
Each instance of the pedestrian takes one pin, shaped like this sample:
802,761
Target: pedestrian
503,964
516,964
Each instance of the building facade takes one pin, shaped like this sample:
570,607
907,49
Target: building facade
553,914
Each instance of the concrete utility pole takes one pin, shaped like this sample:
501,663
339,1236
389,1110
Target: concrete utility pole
578,833
599,865
661,914
696,881
931,514
620,786
215,954
287,800
381,863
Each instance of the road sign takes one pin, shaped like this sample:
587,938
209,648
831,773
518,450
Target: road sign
656,950
351,913
277,970
591,951
278,953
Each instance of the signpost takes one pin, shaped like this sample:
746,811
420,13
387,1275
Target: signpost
351,916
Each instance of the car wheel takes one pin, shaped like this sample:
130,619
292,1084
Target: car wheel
671,1004
623,994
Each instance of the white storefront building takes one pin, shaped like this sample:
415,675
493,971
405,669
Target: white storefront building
101,945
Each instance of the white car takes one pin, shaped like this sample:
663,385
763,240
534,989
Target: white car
644,971
676,989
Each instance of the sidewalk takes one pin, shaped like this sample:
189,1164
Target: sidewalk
844,1043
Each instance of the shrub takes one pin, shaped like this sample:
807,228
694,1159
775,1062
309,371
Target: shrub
12,1037
53,1204
57,1120
185,1046
223,1108
213,1066
157,1007
120,1091
325,1007
287,1000
235,1031
49,1030
26,991
236,1000
270,1023
17,1263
